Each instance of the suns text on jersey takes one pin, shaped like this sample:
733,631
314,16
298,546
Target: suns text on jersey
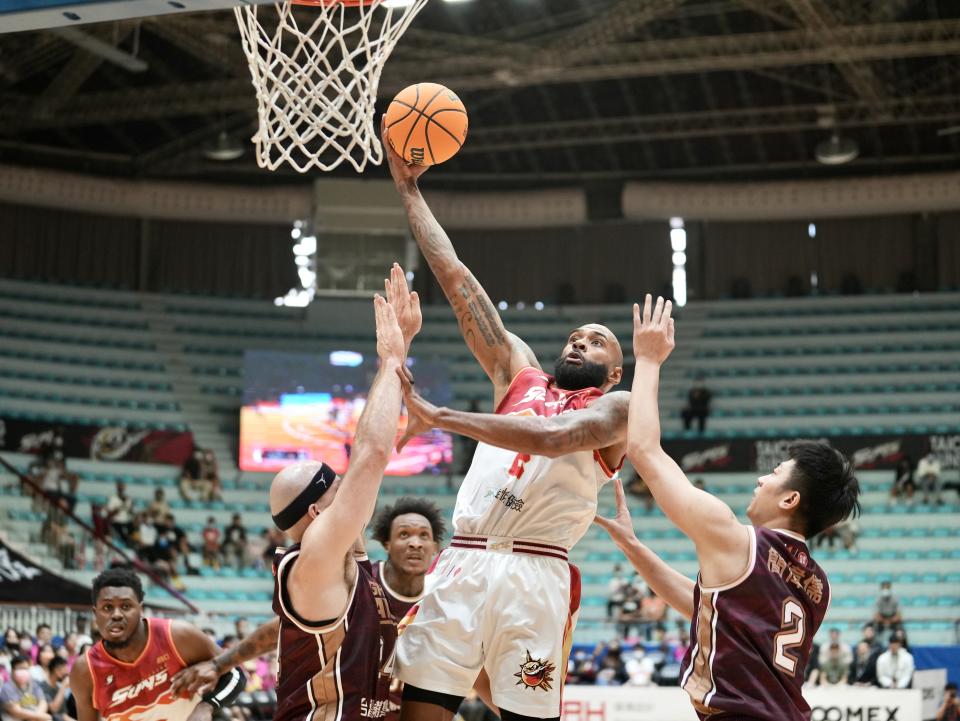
135,689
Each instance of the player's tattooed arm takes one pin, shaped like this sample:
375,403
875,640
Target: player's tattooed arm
723,543
601,425
501,354
201,677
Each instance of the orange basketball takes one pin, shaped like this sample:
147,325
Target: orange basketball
426,124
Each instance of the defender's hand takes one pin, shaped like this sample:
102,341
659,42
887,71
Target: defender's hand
404,174
390,345
653,331
406,304
421,414
194,680
620,527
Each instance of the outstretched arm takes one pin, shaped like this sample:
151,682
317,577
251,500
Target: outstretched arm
202,676
671,585
316,584
501,354
723,543
601,425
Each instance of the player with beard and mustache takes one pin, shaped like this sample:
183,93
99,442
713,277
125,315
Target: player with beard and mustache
503,598
126,676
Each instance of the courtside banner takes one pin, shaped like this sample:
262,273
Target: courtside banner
24,582
868,452
97,442
619,703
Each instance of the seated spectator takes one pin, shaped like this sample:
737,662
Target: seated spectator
171,545
629,616
275,539
812,673
870,638
847,531
21,697
887,613
56,533
39,670
835,660
863,668
928,478
120,513
199,477
235,541
903,480
950,708
698,405
54,479
42,636
653,611
159,509
211,543
639,668
143,537
895,666
81,625
612,671
55,688
616,592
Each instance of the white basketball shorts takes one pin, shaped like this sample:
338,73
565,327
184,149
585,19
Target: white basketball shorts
505,605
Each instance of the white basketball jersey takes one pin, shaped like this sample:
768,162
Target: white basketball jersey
516,495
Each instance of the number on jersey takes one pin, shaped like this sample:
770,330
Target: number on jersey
792,631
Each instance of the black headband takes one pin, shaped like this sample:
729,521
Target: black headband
295,510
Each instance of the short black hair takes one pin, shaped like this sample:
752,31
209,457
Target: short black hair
950,687
829,491
429,510
56,662
19,661
43,626
117,578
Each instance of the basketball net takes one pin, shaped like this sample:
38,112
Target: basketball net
316,87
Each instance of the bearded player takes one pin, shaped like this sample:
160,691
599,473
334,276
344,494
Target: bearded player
126,676
503,597
410,531
759,598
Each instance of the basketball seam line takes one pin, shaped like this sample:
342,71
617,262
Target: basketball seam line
430,118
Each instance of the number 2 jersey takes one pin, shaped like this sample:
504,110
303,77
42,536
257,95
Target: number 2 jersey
337,669
751,639
514,495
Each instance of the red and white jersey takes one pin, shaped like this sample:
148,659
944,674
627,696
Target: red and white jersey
515,495
140,691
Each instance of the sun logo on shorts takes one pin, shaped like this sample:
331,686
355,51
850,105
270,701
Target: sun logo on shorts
535,673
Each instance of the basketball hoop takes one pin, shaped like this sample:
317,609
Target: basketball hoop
316,88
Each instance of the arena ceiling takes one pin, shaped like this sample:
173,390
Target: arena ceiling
559,91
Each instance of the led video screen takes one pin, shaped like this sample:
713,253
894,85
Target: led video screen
299,406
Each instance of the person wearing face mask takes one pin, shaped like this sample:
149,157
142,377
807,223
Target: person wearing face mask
21,698
887,614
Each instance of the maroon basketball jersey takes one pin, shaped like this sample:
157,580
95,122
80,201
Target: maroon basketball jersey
751,640
399,605
338,669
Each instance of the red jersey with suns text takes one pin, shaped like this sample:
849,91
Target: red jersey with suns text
399,606
335,669
140,691
751,639
517,495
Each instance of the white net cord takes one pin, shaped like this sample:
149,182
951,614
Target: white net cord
317,88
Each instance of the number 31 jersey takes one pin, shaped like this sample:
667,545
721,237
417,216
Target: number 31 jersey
514,495
751,639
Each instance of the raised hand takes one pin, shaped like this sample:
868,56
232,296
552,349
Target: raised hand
620,527
403,173
390,345
406,304
653,330
421,414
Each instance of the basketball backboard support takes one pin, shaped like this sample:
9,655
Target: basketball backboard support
20,15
